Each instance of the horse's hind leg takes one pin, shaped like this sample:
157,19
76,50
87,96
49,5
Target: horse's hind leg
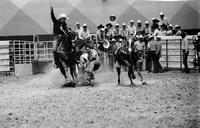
118,73
62,70
73,72
130,73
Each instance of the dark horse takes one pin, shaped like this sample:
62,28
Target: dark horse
126,56
66,56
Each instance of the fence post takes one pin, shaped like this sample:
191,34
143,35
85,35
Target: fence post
180,55
167,54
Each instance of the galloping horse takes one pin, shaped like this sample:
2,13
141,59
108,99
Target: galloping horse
66,55
127,56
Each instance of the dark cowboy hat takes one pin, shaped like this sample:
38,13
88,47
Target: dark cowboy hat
109,24
100,26
155,20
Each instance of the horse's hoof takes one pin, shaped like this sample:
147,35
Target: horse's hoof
133,76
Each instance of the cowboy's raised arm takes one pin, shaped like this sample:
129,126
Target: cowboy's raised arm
52,15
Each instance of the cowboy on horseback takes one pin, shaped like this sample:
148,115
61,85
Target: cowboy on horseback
59,26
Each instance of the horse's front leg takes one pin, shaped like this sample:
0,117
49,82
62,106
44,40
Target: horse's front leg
130,73
118,73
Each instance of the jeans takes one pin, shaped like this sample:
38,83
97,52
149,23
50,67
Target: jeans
185,57
151,59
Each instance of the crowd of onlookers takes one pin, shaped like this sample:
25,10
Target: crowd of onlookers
145,37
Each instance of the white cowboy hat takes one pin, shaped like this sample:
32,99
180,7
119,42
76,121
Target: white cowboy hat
146,22
198,34
124,24
63,15
77,22
117,24
132,21
139,21
84,25
106,44
161,13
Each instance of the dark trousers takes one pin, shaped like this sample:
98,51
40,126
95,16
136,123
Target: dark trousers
151,60
185,57
198,57
158,66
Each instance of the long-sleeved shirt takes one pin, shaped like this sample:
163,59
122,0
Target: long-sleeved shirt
84,34
185,45
57,24
132,30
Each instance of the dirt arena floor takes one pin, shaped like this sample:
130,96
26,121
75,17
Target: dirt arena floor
169,100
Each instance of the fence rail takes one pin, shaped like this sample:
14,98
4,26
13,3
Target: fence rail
27,52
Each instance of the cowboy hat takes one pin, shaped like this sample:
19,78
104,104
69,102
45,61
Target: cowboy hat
113,16
117,24
84,25
146,22
139,21
161,14
131,21
109,24
100,26
124,24
177,26
63,15
77,22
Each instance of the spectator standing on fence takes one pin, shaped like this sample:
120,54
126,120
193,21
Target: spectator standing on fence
178,30
84,34
124,31
140,28
139,47
59,26
158,66
156,31
100,37
154,24
108,31
185,48
78,29
151,54
170,30
147,32
196,43
163,30
113,20
116,31
132,30
163,20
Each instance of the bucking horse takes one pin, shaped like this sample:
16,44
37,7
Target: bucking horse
127,56
66,56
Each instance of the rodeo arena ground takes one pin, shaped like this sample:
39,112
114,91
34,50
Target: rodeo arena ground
134,74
